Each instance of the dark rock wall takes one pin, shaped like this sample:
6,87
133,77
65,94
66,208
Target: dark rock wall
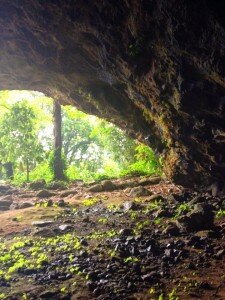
154,67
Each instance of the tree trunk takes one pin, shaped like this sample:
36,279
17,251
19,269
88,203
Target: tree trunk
57,161
9,170
28,171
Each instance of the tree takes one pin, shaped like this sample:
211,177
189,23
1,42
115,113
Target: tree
58,168
119,146
93,145
77,141
18,136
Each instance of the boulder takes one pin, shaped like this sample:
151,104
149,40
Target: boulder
37,184
200,218
5,202
42,223
95,188
5,189
7,198
25,205
67,193
150,181
139,191
44,232
45,194
56,185
156,197
106,185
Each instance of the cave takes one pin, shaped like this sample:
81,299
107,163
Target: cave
153,67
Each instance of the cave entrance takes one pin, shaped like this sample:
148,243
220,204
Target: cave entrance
91,148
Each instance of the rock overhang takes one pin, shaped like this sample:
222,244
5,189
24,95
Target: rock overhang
155,68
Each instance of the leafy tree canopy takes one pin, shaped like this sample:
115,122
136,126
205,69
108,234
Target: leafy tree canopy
92,148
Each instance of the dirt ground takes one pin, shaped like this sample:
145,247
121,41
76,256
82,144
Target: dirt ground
120,239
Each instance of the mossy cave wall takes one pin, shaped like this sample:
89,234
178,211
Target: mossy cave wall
154,67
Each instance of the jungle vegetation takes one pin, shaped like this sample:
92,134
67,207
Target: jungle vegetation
40,139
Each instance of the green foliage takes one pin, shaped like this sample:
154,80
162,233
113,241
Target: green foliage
18,136
220,213
93,148
51,162
173,295
90,202
183,208
146,163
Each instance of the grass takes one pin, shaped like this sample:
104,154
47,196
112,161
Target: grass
34,253
90,202
182,209
220,213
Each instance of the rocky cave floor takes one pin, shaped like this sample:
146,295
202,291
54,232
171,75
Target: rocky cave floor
133,238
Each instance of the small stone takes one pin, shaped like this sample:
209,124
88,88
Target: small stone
215,189
197,200
206,286
61,203
90,285
220,254
48,295
83,242
153,198
151,277
162,213
191,266
169,252
172,230
130,205
207,234
65,227
49,203
14,205
126,232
